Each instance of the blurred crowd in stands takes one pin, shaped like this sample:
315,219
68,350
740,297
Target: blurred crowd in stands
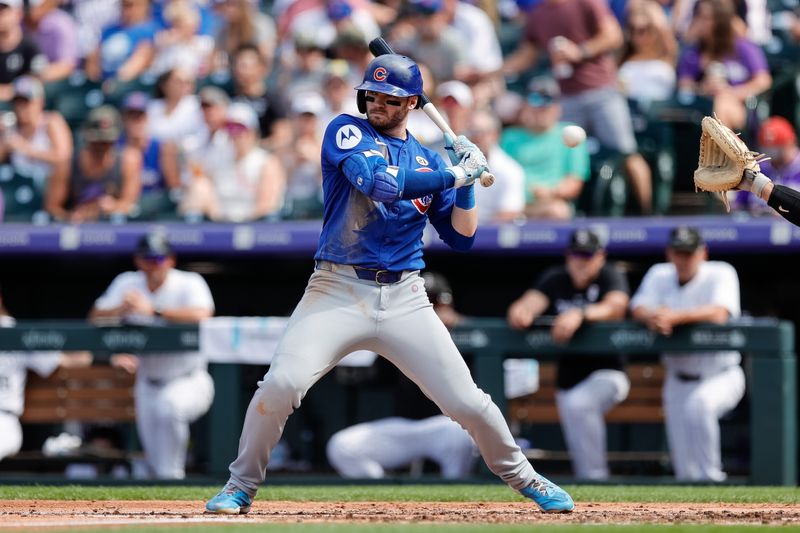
198,110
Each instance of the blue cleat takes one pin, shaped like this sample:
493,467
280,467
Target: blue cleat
548,496
230,500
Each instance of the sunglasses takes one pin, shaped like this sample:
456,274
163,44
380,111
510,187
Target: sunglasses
395,103
156,259
581,254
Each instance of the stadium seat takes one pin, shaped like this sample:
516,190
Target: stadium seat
115,93
23,197
75,98
606,191
656,146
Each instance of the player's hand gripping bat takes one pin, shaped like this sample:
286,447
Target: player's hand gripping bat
380,47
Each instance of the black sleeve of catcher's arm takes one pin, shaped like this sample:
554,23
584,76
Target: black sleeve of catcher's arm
786,202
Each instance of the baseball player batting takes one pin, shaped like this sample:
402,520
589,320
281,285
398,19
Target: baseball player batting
381,186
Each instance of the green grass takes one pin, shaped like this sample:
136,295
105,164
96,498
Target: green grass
421,493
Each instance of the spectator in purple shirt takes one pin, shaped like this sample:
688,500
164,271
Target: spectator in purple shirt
55,32
776,139
722,65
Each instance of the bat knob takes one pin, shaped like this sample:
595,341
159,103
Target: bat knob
487,179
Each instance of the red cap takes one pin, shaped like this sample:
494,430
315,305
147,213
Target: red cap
776,131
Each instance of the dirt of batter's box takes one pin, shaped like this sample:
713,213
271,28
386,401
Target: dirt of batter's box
21,514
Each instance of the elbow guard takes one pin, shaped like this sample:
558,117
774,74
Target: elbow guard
370,174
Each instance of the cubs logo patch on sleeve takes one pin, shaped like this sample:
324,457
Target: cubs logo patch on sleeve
347,137
422,204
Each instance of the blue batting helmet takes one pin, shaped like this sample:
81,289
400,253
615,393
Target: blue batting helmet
390,74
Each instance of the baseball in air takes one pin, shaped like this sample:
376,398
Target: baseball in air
573,135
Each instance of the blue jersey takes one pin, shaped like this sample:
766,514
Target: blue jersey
359,231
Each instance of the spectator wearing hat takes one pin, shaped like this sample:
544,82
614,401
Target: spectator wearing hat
161,180
301,159
778,141
325,18
56,34
39,144
250,72
181,44
172,389
126,47
351,46
699,388
505,200
241,181
214,104
580,38
337,92
104,180
303,71
19,54
241,23
554,173
585,289
456,102
433,41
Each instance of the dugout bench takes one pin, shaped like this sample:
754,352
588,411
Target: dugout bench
768,345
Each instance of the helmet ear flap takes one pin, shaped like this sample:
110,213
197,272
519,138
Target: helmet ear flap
361,101
419,102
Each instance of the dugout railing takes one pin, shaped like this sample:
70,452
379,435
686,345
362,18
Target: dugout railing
768,345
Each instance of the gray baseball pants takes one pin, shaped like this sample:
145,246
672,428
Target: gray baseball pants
339,314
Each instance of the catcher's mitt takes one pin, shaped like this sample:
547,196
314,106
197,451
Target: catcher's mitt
723,159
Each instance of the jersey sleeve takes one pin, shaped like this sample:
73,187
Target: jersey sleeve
346,136
647,295
113,295
725,291
199,295
614,280
43,363
549,281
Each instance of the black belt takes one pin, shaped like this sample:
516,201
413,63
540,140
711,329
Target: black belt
687,377
381,277
164,381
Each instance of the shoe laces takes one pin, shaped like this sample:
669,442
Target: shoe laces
541,486
230,489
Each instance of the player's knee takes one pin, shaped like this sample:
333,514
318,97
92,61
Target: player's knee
469,410
280,388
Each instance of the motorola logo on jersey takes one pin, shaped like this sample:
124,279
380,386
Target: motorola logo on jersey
422,204
348,137
380,74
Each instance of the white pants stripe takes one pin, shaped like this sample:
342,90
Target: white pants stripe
339,314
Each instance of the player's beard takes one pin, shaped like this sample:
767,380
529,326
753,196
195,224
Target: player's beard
387,121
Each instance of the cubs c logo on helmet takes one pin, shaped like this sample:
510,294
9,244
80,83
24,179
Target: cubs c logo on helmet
380,74
422,204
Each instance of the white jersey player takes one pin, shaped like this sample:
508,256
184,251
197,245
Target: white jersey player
14,368
700,387
172,389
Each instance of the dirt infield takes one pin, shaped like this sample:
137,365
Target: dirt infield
20,514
